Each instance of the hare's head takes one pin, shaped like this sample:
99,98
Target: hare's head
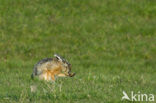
66,66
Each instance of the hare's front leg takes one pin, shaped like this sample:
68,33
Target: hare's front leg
61,75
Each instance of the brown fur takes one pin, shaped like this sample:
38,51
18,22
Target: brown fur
50,69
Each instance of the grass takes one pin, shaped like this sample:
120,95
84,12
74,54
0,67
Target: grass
111,45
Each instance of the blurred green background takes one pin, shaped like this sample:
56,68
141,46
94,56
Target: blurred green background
111,45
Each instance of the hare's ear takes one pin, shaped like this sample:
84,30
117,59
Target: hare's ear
58,58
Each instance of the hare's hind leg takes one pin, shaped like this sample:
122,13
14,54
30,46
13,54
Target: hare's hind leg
53,77
47,75
50,75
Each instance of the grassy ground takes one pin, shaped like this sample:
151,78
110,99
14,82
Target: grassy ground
111,45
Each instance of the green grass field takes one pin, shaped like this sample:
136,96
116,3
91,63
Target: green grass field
111,45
